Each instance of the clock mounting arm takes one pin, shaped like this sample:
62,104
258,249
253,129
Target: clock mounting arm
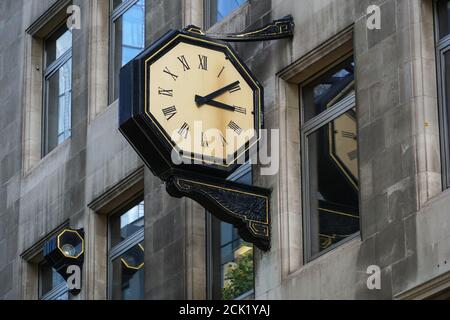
277,29
246,207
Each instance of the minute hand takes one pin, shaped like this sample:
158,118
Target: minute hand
202,100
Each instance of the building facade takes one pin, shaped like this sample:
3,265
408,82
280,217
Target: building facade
361,130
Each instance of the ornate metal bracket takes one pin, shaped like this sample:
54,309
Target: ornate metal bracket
246,207
277,29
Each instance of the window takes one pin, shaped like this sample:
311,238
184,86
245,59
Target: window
52,285
230,259
330,159
126,254
127,37
57,89
216,10
443,61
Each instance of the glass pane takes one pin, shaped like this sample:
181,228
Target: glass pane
333,182
126,224
328,89
59,105
128,274
57,44
236,269
49,279
443,9
129,38
116,3
236,259
221,8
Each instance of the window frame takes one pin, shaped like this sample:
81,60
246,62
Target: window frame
53,294
210,254
114,15
48,72
442,47
123,246
308,128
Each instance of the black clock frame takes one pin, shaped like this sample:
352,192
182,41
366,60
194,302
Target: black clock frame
246,207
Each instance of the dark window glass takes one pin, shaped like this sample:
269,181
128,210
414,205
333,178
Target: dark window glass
52,284
128,274
330,88
126,224
126,254
333,182
129,39
231,260
330,160
58,89
219,9
59,103
443,73
443,10
57,44
116,3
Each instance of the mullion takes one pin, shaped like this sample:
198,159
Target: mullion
57,64
329,115
126,244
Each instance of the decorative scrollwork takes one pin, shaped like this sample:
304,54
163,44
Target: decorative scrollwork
247,208
277,29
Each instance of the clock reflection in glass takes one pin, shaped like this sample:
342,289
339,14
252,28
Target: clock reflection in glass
202,101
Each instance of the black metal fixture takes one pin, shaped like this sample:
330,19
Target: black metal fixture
64,250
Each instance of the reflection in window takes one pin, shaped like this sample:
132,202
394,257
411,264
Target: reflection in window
128,274
52,285
331,159
236,265
127,224
128,25
126,254
329,89
217,10
231,260
58,89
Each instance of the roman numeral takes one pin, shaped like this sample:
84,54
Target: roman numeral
174,76
237,87
233,126
169,112
203,62
184,130
240,110
224,141
220,73
352,155
184,63
165,92
350,135
204,142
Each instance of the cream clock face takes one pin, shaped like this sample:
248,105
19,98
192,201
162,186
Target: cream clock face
202,102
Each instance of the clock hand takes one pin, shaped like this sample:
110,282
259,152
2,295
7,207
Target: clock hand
202,100
221,105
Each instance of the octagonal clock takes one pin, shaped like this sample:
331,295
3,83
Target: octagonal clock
193,111
198,99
